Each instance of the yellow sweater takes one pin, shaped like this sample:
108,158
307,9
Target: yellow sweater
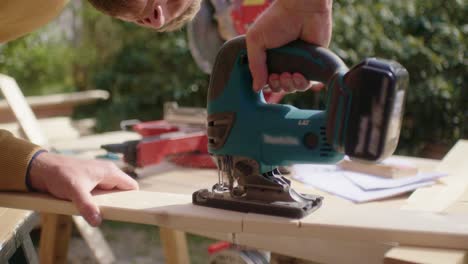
15,155
18,18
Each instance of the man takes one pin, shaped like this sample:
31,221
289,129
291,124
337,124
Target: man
24,166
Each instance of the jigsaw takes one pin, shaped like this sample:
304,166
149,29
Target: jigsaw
249,139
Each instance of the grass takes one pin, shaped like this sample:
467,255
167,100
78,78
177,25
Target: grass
133,241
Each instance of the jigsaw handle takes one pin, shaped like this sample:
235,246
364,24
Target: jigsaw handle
314,62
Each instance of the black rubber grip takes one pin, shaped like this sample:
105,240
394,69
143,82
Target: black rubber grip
319,65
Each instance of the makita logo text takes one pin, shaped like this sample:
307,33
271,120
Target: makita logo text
280,140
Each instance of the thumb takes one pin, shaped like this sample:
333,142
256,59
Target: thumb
257,62
83,201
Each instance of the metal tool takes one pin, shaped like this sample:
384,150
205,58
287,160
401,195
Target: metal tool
249,139
218,21
180,138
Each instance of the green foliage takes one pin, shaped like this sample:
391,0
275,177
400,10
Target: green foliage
40,64
429,39
144,70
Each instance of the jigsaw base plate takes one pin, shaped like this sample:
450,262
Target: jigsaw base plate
295,210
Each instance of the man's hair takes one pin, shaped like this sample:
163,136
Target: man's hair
178,22
131,9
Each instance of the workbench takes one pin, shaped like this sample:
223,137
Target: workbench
15,240
339,232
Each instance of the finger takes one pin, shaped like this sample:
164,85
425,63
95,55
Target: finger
119,179
87,208
316,86
286,82
300,82
106,185
274,83
257,60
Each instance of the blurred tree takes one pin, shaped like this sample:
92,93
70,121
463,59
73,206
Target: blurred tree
429,39
37,69
141,68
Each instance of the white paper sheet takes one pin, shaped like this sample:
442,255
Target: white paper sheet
331,179
372,182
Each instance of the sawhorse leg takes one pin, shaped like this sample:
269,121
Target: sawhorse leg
174,244
55,236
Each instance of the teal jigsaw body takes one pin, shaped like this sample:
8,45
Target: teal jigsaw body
249,139
271,134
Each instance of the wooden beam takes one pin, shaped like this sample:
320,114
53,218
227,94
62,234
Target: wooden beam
439,198
22,111
174,246
449,197
349,223
55,236
54,105
399,255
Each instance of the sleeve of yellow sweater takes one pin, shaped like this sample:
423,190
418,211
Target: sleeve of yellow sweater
15,155
20,17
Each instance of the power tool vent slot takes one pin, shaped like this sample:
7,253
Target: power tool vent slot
219,127
325,148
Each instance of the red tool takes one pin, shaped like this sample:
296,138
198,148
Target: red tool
183,144
244,13
153,128
185,149
225,252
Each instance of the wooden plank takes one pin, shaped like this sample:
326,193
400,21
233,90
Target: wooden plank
75,98
174,246
392,170
424,255
438,198
175,114
448,198
330,222
56,129
22,111
94,142
55,236
162,209
54,105
375,225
